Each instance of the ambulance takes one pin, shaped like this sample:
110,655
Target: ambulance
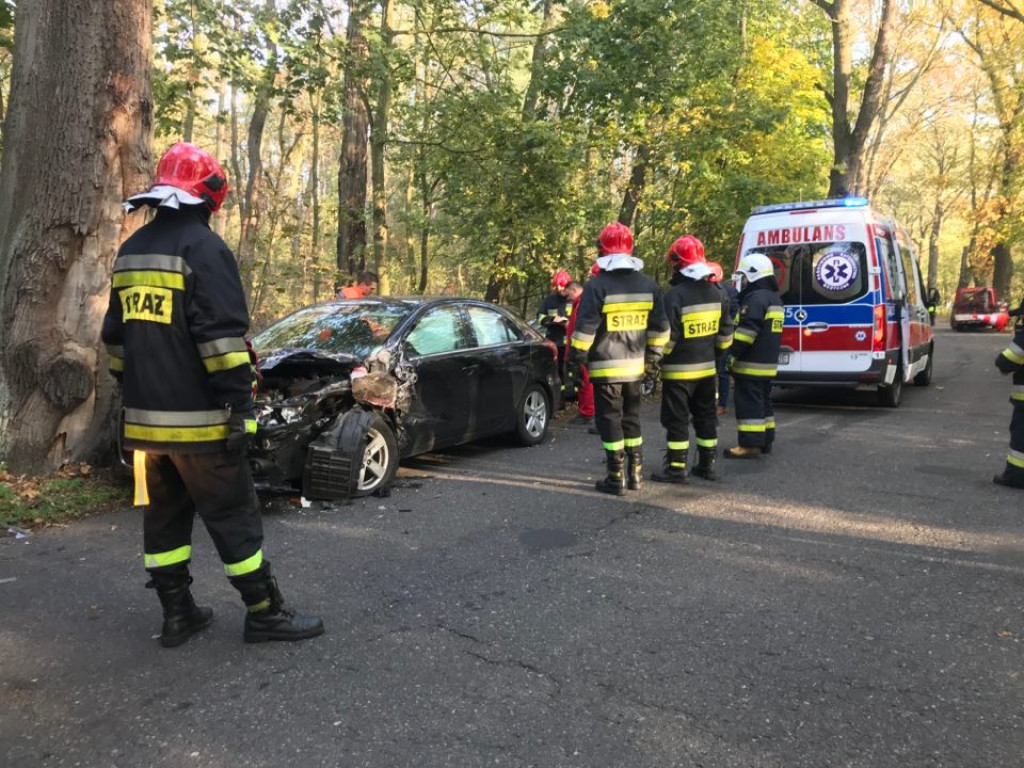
854,298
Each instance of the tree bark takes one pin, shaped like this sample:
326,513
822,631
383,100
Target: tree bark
849,142
250,221
352,180
637,182
537,62
378,149
78,142
933,243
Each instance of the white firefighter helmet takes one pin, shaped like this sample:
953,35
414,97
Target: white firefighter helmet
755,266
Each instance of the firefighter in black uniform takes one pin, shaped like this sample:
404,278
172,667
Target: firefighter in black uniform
174,333
701,331
1011,360
754,357
555,310
620,331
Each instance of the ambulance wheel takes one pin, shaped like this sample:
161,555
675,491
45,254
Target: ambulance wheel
924,378
890,396
379,459
533,416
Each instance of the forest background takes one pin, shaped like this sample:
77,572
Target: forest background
473,148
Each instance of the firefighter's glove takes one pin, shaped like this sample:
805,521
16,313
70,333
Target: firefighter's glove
730,361
241,430
651,370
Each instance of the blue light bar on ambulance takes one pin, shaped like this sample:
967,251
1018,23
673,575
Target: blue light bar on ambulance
841,202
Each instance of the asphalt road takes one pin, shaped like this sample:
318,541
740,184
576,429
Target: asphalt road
857,599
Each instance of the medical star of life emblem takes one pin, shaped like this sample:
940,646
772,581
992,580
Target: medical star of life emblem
836,271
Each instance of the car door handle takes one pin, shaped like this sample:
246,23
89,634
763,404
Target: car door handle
471,369
816,327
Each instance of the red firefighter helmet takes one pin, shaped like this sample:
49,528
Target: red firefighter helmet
615,238
685,251
560,279
595,269
192,170
716,272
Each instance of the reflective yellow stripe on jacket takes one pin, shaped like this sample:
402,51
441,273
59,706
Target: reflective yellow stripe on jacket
608,369
1014,354
687,372
175,426
763,370
223,354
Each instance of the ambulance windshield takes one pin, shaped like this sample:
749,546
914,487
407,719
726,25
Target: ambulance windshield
820,273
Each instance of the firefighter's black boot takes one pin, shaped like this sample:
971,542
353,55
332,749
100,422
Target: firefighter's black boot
674,470
182,617
267,618
769,438
1009,481
615,481
706,458
634,468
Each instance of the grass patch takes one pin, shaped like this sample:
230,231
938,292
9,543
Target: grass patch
72,493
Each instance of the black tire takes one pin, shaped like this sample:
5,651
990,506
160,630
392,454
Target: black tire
924,378
954,325
380,458
533,416
890,396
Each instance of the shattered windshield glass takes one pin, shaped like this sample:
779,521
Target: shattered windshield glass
350,329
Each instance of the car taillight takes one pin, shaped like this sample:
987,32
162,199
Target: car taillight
553,347
878,339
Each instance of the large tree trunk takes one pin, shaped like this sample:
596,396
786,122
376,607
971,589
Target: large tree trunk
77,142
637,182
378,150
250,209
352,168
933,244
849,143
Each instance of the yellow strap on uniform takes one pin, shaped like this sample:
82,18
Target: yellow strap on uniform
141,489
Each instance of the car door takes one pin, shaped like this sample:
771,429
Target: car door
918,323
437,347
504,360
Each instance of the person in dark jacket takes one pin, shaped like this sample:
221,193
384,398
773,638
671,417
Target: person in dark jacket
554,312
1011,360
754,357
733,297
701,331
620,331
175,337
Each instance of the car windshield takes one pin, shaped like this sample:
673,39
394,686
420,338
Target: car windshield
820,273
351,329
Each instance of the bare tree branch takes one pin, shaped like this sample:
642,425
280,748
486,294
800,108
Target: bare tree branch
1006,8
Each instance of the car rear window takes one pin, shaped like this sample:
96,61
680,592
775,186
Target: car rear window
353,329
820,273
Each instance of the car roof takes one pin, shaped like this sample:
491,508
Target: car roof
413,301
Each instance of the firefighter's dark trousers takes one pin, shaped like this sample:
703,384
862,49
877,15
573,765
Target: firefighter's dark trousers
680,399
1015,458
617,414
755,417
220,491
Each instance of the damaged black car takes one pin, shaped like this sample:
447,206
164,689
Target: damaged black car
349,388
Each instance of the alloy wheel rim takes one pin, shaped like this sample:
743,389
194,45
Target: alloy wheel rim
376,458
536,414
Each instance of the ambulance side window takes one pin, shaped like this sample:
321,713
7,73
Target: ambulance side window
909,268
887,254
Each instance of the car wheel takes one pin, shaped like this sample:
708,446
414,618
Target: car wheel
924,378
380,458
954,325
891,395
533,416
